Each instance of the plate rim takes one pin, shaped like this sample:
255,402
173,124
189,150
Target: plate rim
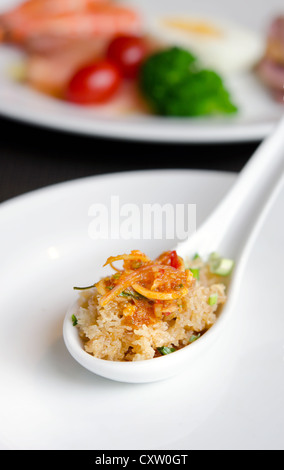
44,191
238,133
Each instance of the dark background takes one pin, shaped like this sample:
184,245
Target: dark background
33,157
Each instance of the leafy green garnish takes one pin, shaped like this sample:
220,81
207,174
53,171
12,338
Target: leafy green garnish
74,320
175,85
165,350
194,338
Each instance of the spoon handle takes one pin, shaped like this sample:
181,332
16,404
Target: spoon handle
227,229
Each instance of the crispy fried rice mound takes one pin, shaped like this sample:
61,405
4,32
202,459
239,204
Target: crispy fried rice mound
148,308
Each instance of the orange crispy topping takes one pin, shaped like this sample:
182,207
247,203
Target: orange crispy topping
159,280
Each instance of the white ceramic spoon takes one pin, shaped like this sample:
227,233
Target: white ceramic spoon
231,231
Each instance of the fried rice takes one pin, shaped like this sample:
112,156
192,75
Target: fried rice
126,326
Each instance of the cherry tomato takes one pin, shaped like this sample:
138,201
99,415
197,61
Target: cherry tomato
174,259
95,83
127,52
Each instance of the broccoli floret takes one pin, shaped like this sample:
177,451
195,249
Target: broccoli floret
175,85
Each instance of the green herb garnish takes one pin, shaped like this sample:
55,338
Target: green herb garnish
136,265
194,338
220,266
195,273
84,288
213,299
165,350
116,276
74,320
133,295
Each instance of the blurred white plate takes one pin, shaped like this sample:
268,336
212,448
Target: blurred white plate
258,112
48,401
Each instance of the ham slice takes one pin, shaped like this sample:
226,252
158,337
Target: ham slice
50,73
272,74
275,41
271,67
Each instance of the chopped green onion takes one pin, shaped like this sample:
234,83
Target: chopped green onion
220,266
165,350
195,273
74,320
223,268
194,338
196,256
213,256
213,299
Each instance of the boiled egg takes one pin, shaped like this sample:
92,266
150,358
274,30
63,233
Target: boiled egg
218,44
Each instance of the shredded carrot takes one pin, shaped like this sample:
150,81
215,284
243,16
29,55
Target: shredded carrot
149,294
134,256
155,280
114,268
125,282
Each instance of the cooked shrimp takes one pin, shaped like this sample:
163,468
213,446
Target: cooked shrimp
103,22
33,8
92,21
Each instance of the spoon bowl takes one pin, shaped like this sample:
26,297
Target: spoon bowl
146,371
230,230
